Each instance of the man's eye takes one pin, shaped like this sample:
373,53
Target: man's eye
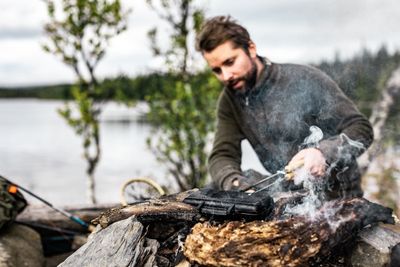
216,70
229,62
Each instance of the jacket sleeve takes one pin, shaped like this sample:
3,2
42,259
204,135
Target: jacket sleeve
225,158
353,132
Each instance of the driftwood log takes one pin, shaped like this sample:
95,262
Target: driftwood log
165,232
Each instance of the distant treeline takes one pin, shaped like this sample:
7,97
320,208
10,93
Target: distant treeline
59,91
132,88
361,77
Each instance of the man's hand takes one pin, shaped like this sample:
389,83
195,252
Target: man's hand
238,182
314,161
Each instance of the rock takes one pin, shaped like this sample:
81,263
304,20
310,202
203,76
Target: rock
376,247
20,246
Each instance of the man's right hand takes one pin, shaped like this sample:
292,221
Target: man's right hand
237,182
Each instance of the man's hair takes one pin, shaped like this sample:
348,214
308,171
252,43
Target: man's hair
220,29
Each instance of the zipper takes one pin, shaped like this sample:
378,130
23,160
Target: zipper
247,101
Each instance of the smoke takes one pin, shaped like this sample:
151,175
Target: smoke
316,204
346,151
311,203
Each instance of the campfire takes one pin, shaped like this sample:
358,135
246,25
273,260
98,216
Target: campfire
299,228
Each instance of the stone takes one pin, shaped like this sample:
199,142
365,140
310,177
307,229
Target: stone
20,246
376,246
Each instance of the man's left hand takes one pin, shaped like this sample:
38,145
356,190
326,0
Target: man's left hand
314,161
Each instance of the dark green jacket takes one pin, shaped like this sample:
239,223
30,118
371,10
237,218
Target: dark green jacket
275,117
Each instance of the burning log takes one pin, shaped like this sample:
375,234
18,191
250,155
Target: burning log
294,241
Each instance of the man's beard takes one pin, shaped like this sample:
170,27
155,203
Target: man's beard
250,79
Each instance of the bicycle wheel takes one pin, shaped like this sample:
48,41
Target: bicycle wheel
139,189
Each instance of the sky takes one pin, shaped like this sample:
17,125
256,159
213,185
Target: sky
295,31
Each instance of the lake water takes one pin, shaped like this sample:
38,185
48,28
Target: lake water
40,152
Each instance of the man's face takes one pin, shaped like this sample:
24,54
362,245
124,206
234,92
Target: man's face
233,66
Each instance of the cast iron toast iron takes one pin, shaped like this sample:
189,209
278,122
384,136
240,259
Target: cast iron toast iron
231,204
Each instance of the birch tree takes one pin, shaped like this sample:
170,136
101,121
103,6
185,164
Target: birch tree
78,33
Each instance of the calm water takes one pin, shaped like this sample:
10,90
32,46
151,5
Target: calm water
40,152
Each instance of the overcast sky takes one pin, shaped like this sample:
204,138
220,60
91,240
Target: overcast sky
297,31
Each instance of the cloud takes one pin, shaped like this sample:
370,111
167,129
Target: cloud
300,31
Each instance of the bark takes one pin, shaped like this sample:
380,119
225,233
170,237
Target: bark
168,208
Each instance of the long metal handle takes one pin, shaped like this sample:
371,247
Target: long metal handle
263,180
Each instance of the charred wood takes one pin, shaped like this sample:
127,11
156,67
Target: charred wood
295,241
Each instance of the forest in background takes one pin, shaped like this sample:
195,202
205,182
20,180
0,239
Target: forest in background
361,77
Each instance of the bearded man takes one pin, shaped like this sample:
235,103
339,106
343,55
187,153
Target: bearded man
273,106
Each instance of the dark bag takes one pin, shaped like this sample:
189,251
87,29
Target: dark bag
12,202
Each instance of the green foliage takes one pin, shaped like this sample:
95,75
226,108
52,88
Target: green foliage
78,33
129,90
186,114
184,18
183,107
82,34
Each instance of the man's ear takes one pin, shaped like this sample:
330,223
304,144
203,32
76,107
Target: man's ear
252,49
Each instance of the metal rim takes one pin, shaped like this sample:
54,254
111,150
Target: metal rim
145,180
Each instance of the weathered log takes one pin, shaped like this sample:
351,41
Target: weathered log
290,242
121,244
42,214
59,235
167,208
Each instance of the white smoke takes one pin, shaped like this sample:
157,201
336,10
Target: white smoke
315,204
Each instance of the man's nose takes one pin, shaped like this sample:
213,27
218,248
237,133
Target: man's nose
226,75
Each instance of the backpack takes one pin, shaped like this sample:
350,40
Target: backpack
12,202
